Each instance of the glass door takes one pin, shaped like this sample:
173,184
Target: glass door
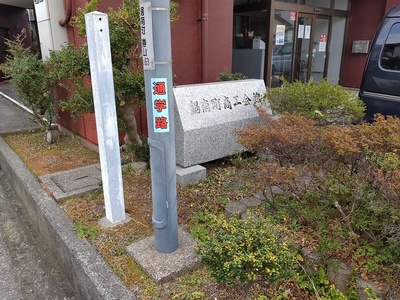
303,47
320,48
282,48
311,47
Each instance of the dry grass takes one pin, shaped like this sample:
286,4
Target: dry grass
42,158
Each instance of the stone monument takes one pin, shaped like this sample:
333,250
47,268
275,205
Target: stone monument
206,116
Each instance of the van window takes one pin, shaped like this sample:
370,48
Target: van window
390,58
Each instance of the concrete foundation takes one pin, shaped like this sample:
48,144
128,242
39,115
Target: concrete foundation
162,266
190,175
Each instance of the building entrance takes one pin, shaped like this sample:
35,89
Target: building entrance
273,40
300,50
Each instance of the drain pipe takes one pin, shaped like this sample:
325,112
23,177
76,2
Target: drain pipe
204,41
68,13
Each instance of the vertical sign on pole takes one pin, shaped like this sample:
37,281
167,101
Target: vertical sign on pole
159,98
157,64
98,39
146,30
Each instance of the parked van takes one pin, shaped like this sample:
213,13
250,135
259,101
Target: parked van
380,86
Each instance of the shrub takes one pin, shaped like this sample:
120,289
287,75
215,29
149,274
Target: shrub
321,101
241,251
71,71
31,78
290,138
227,76
380,141
352,172
380,136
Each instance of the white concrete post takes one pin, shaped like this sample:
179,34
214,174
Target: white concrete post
98,39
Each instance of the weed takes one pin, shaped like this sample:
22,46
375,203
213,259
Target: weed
316,282
84,231
244,190
241,159
327,246
371,294
118,251
201,224
224,199
366,258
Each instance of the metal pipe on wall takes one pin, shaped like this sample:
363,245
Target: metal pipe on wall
204,41
68,13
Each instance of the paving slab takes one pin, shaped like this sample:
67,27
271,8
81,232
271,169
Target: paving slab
67,184
163,266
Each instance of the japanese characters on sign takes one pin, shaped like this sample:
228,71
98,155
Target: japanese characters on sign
280,35
322,43
146,30
223,103
159,97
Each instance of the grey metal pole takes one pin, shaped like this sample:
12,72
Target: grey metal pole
157,61
98,38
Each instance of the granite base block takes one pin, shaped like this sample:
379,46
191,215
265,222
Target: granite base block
190,175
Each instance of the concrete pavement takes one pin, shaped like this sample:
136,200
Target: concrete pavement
13,118
26,272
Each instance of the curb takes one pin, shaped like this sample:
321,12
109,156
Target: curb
83,266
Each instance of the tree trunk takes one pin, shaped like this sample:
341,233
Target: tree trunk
127,115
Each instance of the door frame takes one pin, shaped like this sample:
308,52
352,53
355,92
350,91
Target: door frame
313,17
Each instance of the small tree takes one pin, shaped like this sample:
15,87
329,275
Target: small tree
72,65
31,79
73,71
